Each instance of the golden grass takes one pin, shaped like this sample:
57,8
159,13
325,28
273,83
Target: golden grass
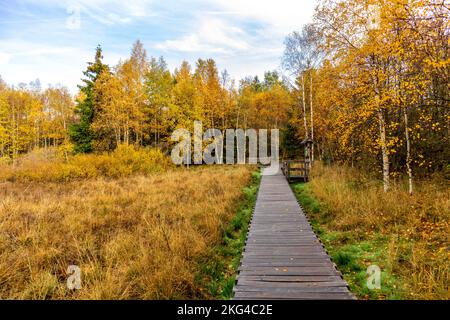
51,165
417,226
136,237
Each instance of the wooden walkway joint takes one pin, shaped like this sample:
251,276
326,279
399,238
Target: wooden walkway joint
283,258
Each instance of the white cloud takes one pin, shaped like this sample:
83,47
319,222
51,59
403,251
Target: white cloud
27,61
107,12
4,58
188,43
213,35
284,15
244,36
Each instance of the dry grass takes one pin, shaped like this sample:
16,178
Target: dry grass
136,237
417,227
52,165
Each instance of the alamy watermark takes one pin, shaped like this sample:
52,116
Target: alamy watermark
374,277
74,279
237,150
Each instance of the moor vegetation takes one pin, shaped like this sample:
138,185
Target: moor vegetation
135,237
360,225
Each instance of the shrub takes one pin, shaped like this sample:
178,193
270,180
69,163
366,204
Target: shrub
51,165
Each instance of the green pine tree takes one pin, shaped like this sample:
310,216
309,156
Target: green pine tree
291,145
81,133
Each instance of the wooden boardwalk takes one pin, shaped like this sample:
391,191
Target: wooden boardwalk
283,258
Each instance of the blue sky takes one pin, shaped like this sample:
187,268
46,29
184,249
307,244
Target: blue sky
52,40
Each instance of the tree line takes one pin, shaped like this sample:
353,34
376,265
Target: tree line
141,102
33,118
137,102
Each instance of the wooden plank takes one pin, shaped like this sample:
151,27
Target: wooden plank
277,284
291,289
282,264
306,272
291,295
311,259
289,278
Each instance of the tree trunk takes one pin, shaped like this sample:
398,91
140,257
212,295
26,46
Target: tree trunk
408,153
304,107
382,128
384,151
312,114
117,134
352,156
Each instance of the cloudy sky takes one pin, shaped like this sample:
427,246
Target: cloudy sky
52,40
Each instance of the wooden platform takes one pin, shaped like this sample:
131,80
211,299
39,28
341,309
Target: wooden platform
283,258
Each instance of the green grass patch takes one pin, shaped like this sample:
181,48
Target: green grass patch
351,254
219,269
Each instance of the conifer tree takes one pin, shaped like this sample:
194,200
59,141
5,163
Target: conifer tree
80,132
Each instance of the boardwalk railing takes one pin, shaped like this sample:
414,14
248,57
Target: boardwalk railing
296,170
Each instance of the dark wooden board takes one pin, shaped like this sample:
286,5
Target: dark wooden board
292,296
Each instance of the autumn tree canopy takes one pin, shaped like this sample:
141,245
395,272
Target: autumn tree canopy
381,93
367,80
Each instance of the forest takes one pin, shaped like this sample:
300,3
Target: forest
375,97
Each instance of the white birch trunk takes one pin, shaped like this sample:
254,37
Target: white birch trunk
384,151
408,153
312,115
304,106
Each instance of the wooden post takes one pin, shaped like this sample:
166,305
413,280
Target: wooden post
289,171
